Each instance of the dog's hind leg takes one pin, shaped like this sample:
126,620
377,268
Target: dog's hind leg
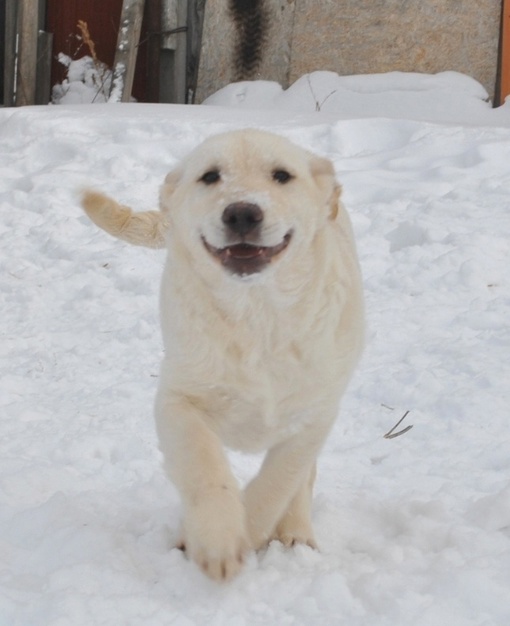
296,524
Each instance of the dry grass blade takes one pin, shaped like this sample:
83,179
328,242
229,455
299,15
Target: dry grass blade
87,40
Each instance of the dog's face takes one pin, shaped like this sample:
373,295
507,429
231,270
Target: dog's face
246,200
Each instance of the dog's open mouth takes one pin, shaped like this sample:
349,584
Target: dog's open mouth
246,258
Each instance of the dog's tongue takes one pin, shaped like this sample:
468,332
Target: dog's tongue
244,251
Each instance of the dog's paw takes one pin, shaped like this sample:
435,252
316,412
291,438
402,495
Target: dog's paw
291,532
290,540
220,562
215,537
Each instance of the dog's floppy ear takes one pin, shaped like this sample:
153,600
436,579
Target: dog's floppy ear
147,228
167,189
324,175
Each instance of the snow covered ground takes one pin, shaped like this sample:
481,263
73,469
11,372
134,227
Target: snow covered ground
413,530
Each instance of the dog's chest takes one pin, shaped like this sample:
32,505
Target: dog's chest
257,377
254,407
253,422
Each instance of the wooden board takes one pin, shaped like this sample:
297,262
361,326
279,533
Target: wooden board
28,20
11,14
127,49
504,62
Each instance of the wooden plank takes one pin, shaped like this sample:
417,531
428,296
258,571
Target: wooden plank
169,23
181,53
11,17
127,48
173,59
196,11
43,79
153,15
504,61
28,19
2,49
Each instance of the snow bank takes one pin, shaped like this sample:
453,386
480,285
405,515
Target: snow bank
444,97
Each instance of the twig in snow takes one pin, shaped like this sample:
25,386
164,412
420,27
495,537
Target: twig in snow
318,105
391,434
390,408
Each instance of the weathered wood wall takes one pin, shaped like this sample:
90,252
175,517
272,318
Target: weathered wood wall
353,37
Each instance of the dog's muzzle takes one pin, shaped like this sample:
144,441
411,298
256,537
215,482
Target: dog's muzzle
242,222
246,258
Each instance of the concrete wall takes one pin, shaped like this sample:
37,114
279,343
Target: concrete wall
354,37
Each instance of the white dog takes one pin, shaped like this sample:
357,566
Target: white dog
262,321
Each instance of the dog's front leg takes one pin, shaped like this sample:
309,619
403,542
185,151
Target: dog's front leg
283,488
214,524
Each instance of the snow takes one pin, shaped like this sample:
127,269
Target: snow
412,530
88,81
446,97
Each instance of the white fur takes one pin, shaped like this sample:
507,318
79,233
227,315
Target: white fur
255,362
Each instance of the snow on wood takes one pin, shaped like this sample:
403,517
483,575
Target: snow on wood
127,49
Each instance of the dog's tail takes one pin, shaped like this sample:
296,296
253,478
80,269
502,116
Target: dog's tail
147,228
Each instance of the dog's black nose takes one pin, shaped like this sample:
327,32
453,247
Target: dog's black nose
242,217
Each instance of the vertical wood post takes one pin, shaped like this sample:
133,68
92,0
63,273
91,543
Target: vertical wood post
43,79
504,60
28,19
174,52
181,53
153,11
11,29
127,49
196,11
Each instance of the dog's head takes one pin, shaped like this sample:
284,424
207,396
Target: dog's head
247,199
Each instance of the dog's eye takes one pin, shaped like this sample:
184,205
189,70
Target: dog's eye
210,177
282,176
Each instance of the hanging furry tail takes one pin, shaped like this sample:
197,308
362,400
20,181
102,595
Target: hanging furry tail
147,228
